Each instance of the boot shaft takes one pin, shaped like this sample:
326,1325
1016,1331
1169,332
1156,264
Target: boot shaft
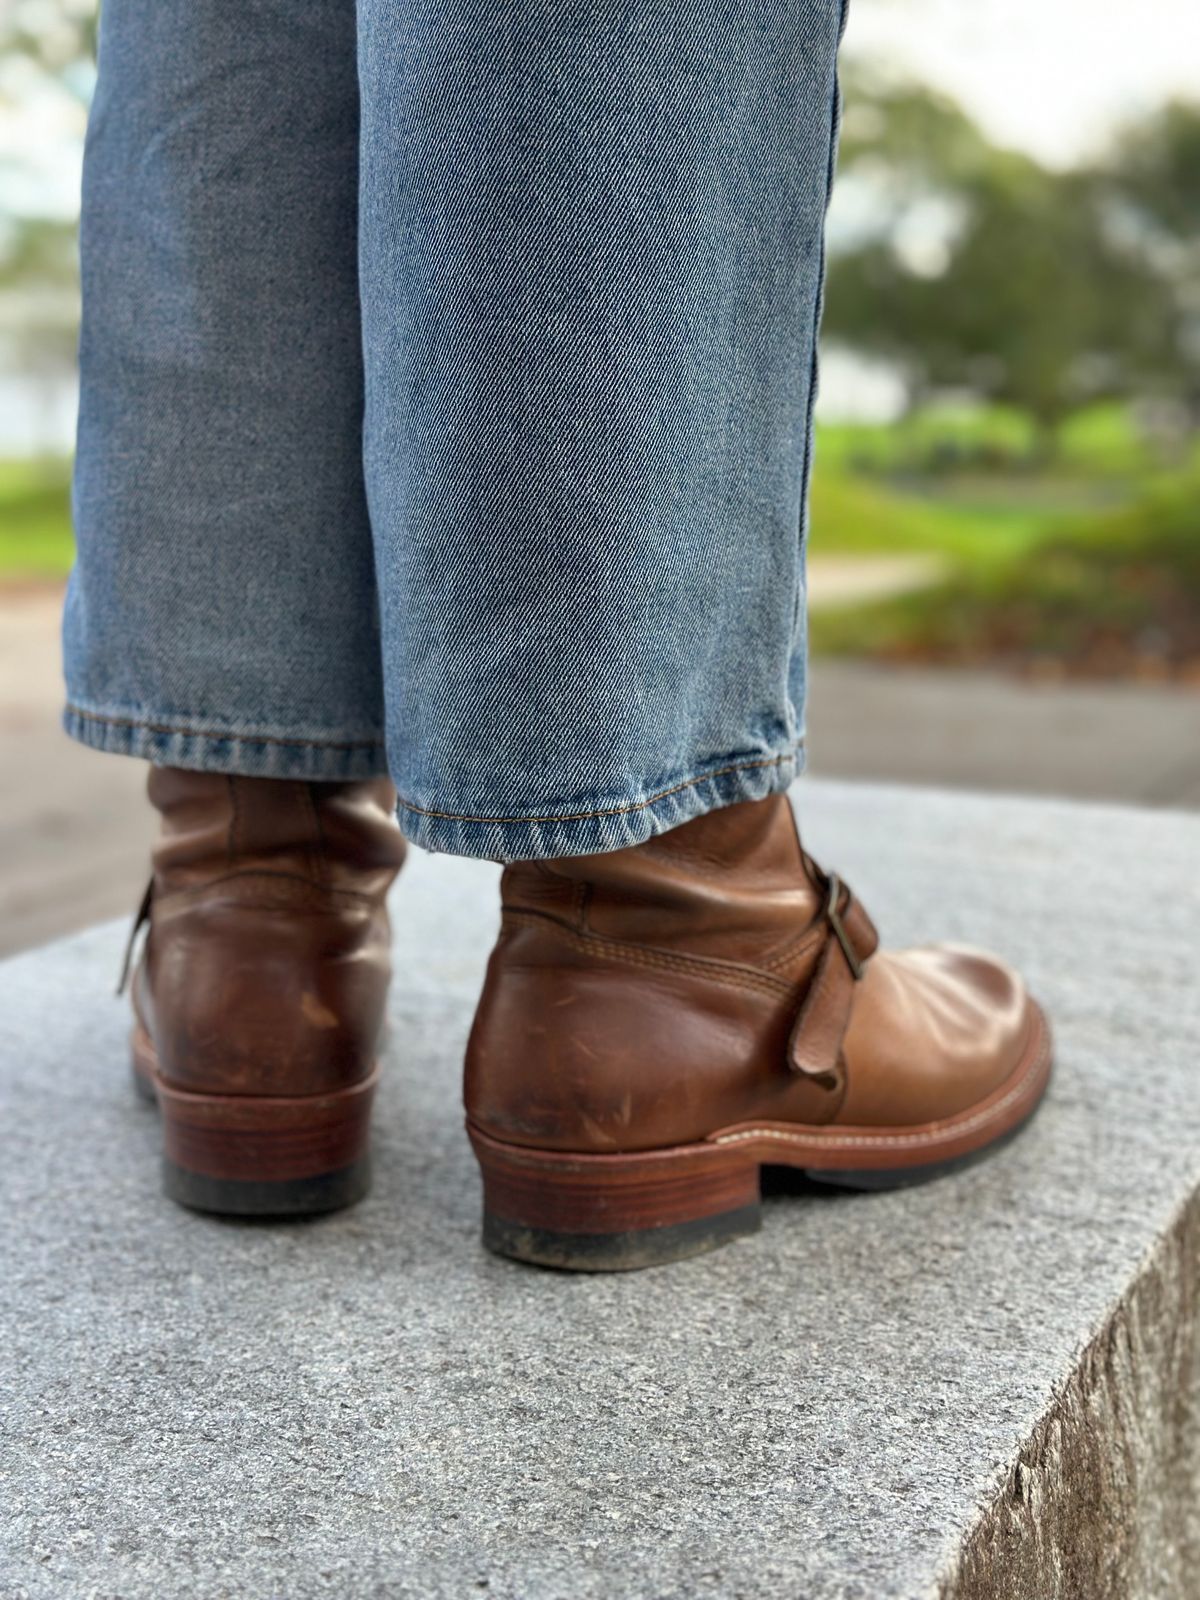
336,835
266,965
733,885
639,998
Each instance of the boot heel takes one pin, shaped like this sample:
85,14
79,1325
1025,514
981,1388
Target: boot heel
601,1213
254,1155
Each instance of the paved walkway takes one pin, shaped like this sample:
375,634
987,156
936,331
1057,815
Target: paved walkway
74,829
1137,743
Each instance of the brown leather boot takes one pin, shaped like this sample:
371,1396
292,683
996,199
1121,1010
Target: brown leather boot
661,1022
259,997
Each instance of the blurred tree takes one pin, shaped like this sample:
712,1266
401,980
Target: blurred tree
1151,181
979,269
53,33
908,137
1155,166
37,250
47,52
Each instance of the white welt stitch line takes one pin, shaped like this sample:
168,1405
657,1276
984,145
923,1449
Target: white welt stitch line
890,1141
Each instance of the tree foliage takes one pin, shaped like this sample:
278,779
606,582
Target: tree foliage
984,270
47,48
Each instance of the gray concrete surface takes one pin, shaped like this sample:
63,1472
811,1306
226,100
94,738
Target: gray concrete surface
75,831
983,1388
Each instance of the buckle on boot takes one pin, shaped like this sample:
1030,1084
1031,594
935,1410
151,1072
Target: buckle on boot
838,927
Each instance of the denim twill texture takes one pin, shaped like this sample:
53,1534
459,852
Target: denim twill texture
589,247
222,612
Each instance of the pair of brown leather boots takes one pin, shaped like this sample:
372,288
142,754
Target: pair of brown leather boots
657,1024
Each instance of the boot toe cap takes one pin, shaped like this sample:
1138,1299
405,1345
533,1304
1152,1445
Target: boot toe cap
936,1030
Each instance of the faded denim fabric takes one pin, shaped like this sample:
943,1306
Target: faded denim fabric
459,408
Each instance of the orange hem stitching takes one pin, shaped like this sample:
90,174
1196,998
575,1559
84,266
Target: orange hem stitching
207,733
612,811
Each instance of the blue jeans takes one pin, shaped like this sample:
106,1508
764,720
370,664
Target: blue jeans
447,381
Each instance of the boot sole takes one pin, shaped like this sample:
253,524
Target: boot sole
613,1213
259,1155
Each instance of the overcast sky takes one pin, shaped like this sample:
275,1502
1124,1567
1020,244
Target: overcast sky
1052,76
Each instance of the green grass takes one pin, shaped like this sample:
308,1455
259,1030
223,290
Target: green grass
932,435
853,516
960,484
947,441
35,519
1090,564
1112,593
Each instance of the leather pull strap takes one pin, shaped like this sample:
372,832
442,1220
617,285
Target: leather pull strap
815,1042
139,921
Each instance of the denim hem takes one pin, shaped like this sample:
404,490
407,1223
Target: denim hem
613,827
246,754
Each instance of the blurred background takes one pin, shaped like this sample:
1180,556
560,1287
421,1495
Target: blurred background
1005,544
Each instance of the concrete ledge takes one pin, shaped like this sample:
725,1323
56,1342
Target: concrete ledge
989,1387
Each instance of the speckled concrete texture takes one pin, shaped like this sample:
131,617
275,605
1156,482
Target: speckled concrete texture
959,1390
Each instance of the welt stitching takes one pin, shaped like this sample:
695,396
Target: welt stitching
215,733
887,1141
693,966
610,811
